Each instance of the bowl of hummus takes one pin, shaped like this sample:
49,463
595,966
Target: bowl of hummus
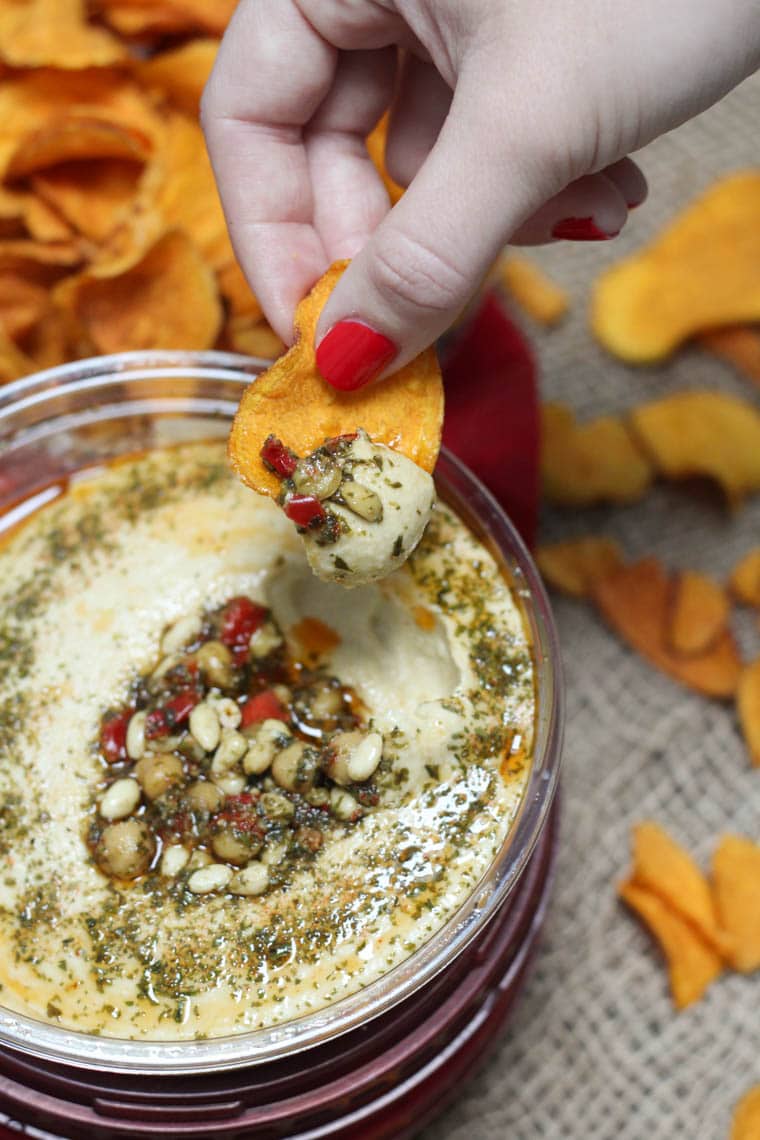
243,810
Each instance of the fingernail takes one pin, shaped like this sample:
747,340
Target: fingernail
580,229
634,205
352,354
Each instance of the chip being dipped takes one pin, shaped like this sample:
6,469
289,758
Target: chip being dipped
351,469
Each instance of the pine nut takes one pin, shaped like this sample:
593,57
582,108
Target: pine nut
181,632
204,726
354,756
215,662
121,799
274,853
215,877
295,767
174,859
232,748
136,735
277,806
252,880
317,475
231,784
263,745
363,501
343,805
265,640
198,859
228,712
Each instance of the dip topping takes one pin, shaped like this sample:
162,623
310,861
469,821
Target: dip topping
229,758
360,507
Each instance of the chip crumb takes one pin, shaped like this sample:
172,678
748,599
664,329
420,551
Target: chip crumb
596,462
745,578
746,1122
699,613
748,708
572,566
533,290
736,887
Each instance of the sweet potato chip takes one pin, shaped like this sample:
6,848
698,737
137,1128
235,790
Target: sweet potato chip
574,565
49,341
746,1122
22,303
533,291
238,294
180,74
44,223
375,143
73,137
94,197
738,346
136,17
252,338
736,887
27,256
701,273
168,299
13,362
662,866
54,33
291,399
745,578
692,963
699,613
635,601
748,707
590,463
703,433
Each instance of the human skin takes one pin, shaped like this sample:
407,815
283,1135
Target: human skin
511,121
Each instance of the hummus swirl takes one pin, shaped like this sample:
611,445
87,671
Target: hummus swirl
437,654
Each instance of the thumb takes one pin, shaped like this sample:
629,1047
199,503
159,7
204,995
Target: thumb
430,254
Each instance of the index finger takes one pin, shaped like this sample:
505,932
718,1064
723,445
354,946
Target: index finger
254,108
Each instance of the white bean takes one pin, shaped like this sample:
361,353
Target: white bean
252,880
263,745
174,859
121,799
136,735
204,726
215,877
179,634
232,748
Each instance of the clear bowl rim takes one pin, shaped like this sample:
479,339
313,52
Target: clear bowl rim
157,1058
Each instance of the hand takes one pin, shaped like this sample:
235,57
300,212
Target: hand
511,121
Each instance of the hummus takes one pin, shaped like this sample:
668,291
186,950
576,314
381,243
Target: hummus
435,676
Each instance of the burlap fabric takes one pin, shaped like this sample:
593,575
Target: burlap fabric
595,1050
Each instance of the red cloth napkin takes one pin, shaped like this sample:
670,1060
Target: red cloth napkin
492,417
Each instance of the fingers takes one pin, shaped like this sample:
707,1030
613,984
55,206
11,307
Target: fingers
593,208
420,107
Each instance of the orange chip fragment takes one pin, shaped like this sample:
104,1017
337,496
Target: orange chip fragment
736,886
166,299
662,866
635,601
252,337
54,33
590,463
699,613
745,578
746,1122
574,565
292,401
70,137
22,303
701,273
703,433
737,345
13,362
238,293
533,290
94,197
748,707
692,963
180,74
375,143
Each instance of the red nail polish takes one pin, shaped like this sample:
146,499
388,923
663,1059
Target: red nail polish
352,354
580,229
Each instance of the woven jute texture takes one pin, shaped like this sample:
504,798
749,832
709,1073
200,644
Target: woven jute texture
595,1050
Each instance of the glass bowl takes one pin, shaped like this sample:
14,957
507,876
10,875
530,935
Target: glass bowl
57,422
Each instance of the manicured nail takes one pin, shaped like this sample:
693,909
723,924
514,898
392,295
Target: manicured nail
580,229
352,354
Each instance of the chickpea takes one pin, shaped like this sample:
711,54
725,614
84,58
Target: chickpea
125,849
157,774
233,848
203,796
215,662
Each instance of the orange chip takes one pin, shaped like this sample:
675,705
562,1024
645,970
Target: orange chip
692,963
13,362
574,565
590,463
54,256
699,613
533,290
746,1122
136,17
738,345
94,197
662,866
167,299
701,273
736,886
238,293
292,400
703,433
252,338
73,137
44,223
22,303
748,707
375,142
180,74
54,33
635,600
745,578
48,342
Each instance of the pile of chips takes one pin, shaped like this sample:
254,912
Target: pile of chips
112,236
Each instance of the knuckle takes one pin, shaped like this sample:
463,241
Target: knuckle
405,270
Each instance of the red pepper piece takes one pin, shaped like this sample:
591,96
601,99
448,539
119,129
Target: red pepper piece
175,712
113,735
240,619
278,458
336,440
239,813
305,510
264,706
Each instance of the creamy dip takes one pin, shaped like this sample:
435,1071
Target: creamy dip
437,655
